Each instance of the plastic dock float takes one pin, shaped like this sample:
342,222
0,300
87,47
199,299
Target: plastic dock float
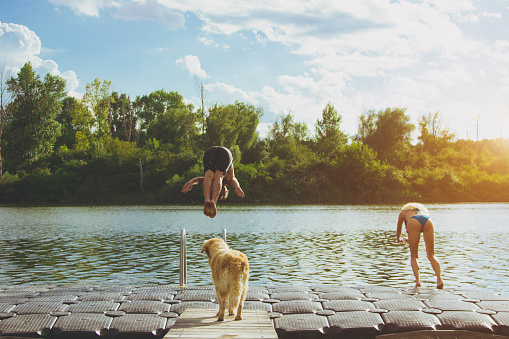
319,311
196,323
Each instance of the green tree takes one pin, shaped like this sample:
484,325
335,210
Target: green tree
176,127
329,137
358,174
248,118
148,108
157,103
433,136
82,119
67,136
281,138
287,140
123,117
76,121
98,99
34,129
300,132
229,125
366,127
387,132
257,153
221,128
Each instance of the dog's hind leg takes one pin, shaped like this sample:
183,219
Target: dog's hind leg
238,298
241,304
221,298
233,301
235,287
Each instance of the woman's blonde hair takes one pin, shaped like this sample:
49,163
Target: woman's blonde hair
412,205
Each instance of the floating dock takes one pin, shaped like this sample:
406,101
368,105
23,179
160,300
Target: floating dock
202,323
295,311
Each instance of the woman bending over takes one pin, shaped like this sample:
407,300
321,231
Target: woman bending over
417,221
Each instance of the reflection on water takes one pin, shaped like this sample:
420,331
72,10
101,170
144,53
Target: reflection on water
348,245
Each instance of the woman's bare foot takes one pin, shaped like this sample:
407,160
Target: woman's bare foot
440,285
417,284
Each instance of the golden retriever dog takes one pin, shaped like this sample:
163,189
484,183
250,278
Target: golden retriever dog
230,273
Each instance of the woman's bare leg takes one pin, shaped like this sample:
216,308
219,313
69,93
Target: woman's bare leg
429,241
414,235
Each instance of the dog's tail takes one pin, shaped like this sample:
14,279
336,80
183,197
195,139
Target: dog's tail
239,291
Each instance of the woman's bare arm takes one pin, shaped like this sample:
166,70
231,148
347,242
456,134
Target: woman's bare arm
399,227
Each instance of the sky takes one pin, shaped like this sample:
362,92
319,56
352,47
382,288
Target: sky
284,56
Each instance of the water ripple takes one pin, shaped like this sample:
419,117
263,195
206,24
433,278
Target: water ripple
297,244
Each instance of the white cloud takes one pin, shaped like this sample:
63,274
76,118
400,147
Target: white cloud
49,65
468,18
86,7
298,102
18,45
150,10
193,65
359,54
492,15
228,90
451,6
263,129
502,45
72,83
207,41
376,53
210,42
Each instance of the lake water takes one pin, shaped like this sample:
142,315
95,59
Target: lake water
349,245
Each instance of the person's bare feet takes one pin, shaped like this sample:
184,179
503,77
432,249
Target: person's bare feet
440,285
417,284
207,209
212,209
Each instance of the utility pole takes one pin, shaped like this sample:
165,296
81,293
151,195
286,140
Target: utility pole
202,109
5,100
503,121
477,139
201,92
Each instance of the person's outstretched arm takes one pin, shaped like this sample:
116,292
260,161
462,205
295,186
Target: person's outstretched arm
189,185
232,180
238,190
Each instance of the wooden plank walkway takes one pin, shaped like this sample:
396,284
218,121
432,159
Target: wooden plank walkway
440,334
202,324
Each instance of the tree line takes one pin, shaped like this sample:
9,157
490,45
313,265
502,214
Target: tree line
109,148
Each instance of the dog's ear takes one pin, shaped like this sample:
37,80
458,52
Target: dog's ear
205,248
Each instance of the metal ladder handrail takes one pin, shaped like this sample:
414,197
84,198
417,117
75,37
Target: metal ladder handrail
183,257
